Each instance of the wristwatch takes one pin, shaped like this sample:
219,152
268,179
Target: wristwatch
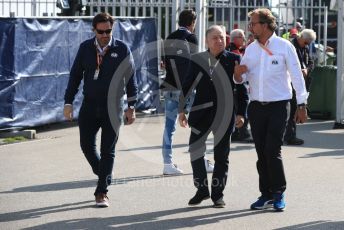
131,107
301,106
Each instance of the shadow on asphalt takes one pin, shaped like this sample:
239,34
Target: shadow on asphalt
247,146
150,220
152,148
38,212
339,154
314,225
83,184
56,126
317,137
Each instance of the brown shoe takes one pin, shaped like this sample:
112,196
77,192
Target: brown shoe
102,200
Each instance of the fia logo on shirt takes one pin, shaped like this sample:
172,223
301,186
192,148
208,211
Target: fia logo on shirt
274,62
114,55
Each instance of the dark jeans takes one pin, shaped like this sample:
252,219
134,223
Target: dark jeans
197,148
290,131
268,123
92,117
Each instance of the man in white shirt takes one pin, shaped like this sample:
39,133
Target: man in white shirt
270,64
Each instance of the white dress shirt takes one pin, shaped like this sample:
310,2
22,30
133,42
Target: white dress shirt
100,49
269,76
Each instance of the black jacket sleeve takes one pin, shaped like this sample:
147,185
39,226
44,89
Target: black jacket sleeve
193,41
76,75
241,96
187,85
131,86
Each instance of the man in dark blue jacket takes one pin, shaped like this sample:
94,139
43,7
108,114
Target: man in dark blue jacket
178,47
212,111
100,61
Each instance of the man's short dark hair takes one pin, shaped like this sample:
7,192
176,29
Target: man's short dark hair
186,18
102,17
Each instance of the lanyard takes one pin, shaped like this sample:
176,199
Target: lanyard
100,56
265,48
212,67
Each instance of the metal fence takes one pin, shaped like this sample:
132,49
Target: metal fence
230,13
28,8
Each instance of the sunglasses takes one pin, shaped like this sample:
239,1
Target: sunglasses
104,31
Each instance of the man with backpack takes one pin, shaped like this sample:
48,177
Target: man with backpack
178,47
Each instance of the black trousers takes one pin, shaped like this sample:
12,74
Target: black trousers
197,148
92,117
290,131
268,123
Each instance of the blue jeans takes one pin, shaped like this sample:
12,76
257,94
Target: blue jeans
171,114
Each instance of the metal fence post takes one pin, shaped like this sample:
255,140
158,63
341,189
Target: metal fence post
175,14
340,64
200,25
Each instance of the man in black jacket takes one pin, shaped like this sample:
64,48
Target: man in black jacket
212,111
301,43
96,62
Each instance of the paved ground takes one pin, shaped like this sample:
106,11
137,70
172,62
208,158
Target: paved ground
47,184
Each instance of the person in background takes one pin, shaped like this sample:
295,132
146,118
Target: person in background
237,46
293,32
270,64
95,63
301,44
171,89
237,41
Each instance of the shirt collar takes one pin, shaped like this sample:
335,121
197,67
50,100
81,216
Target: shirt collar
100,49
271,38
184,28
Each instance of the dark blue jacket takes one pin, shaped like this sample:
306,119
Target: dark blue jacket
182,63
85,65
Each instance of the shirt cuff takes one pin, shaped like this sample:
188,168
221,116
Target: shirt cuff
243,79
302,99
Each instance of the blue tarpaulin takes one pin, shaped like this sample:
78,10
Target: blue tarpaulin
36,55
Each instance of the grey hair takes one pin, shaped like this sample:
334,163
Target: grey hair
308,34
236,33
215,27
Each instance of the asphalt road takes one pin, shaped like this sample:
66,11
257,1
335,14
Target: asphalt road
47,184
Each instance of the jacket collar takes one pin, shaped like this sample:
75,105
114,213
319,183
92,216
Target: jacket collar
219,55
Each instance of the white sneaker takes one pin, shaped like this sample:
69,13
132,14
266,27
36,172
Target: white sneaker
208,166
172,169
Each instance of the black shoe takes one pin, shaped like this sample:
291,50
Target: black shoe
295,141
219,203
198,198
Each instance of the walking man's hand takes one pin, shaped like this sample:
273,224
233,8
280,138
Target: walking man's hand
130,116
68,112
183,121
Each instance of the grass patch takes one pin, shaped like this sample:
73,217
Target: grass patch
10,140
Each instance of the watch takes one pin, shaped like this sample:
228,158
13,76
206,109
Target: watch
131,107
